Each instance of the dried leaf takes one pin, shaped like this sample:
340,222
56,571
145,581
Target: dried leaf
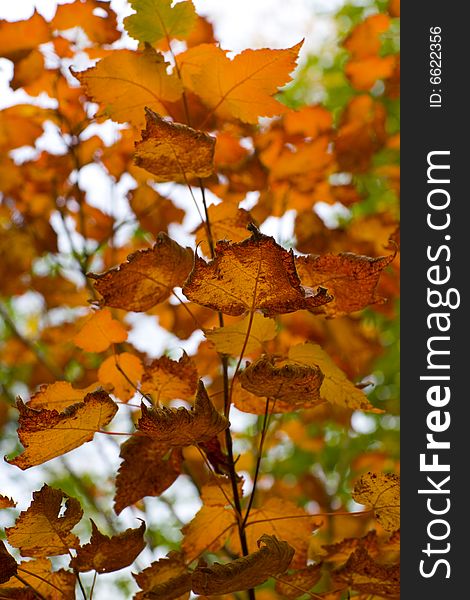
381,491
272,558
46,434
254,274
120,374
174,152
107,554
147,469
147,278
289,585
44,529
168,379
165,579
38,573
158,19
350,278
227,223
6,502
336,387
363,574
154,212
99,332
181,427
8,566
231,338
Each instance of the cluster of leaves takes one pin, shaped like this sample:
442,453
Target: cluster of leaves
290,335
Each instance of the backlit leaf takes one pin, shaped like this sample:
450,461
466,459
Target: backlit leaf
158,19
289,585
272,558
381,491
165,579
38,573
58,395
168,379
120,374
99,332
44,529
46,434
147,278
231,338
174,152
100,28
105,554
254,274
181,427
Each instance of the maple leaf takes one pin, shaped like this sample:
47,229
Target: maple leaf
254,274
99,25
38,575
242,87
44,529
289,584
230,339
350,278
336,387
165,579
120,374
298,385
46,434
147,278
106,554
382,492
272,558
147,469
168,379
181,427
126,81
172,151
8,566
158,19
99,332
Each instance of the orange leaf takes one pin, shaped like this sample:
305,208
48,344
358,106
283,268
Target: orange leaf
174,152
168,379
99,332
242,87
165,579
153,211
121,373
107,554
147,278
227,223
147,469
125,82
38,575
44,529
101,29
254,274
46,434
6,502
17,39
181,427
58,395
289,585
364,40
382,492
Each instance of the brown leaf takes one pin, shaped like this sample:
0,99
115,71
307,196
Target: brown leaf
382,492
350,278
8,566
44,529
147,469
174,152
168,379
298,385
254,274
289,584
165,579
107,554
38,573
46,434
341,551
363,574
181,427
273,557
6,502
147,278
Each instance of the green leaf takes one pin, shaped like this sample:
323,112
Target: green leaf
155,20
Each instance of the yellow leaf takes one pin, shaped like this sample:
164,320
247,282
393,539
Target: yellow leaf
38,573
381,491
336,387
58,395
121,374
231,338
46,434
99,332
168,379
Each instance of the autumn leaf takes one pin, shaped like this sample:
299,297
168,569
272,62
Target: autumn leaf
350,278
341,551
155,20
99,332
106,554
298,385
242,87
58,395
181,427
381,491
120,374
44,529
168,379
147,278
227,222
127,81
272,558
230,339
21,37
38,575
6,502
172,151
46,434
336,387
165,579
289,585
147,469
154,211
99,25
254,274
8,566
